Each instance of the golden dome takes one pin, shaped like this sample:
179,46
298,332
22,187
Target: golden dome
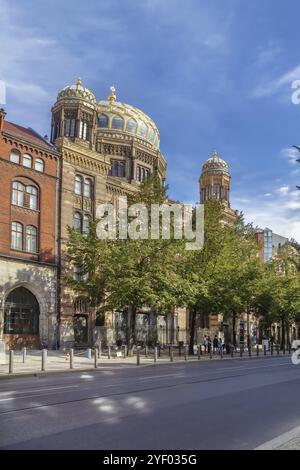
121,117
77,92
215,164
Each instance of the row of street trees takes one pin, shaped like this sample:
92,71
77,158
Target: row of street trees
225,276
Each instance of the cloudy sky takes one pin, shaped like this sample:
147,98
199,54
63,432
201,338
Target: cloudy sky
212,74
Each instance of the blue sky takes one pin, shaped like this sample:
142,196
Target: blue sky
212,74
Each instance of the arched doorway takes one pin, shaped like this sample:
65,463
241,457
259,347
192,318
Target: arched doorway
81,307
21,318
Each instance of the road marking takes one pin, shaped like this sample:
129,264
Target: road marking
37,390
160,376
255,367
280,440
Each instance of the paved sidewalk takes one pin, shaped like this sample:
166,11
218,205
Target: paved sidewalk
287,441
57,361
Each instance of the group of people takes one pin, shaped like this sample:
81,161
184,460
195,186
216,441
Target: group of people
216,346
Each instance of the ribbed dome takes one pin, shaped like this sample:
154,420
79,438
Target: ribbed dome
77,92
215,164
116,116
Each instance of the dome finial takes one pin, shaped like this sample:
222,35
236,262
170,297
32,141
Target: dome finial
78,82
214,153
112,97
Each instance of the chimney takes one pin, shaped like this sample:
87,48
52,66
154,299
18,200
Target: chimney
2,117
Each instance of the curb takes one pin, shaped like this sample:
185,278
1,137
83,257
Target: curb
133,364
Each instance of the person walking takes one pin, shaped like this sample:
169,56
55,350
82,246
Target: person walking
209,344
205,344
215,344
220,345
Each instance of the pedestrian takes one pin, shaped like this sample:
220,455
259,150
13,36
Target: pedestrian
205,344
220,345
209,344
215,344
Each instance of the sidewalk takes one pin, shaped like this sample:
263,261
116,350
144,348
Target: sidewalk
287,441
57,361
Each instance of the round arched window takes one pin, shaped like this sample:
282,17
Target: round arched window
117,122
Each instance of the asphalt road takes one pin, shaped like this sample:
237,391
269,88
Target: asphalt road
236,404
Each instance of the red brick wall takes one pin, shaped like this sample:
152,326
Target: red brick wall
45,217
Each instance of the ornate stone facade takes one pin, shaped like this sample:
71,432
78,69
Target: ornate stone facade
107,149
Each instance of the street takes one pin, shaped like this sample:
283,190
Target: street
235,404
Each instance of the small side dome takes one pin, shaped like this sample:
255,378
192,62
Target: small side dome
77,92
215,164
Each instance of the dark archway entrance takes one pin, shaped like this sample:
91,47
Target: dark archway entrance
21,318
80,329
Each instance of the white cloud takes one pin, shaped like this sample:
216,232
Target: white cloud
290,153
279,210
271,86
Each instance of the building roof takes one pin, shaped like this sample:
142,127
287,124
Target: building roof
215,164
27,134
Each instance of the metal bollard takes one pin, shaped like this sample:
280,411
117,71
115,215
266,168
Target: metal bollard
109,353
186,352
171,354
272,349
210,353
44,359
159,350
138,360
289,348
179,350
231,352
249,351
72,358
155,354
95,358
278,351
24,355
284,349
89,353
124,351
265,350
146,351
257,350
99,350
11,362
199,352
221,353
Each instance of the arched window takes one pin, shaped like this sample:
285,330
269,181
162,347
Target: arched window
117,122
27,160
83,130
81,305
17,236
142,130
78,185
70,127
15,156
21,313
138,173
39,165
87,188
216,193
151,135
31,239
100,318
85,224
131,126
103,121
77,221
118,169
18,190
32,197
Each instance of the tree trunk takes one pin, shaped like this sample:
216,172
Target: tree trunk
282,333
234,329
131,319
192,331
